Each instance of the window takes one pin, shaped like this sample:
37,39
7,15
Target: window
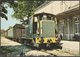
77,27
35,19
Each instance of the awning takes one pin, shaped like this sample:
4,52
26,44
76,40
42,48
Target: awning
71,12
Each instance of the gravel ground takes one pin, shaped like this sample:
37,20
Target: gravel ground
7,42
37,53
71,47
59,52
48,53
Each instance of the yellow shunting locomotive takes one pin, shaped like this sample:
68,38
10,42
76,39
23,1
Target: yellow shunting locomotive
41,31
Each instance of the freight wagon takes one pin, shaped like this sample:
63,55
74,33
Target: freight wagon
10,33
19,30
5,33
15,32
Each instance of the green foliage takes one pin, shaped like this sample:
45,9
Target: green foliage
3,16
25,8
2,13
4,10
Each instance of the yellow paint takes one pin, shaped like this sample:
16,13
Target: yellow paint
38,40
52,40
45,40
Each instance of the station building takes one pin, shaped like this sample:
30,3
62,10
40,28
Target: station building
67,16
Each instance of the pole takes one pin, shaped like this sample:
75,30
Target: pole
0,23
79,27
0,30
79,17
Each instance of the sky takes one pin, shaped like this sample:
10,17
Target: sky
5,24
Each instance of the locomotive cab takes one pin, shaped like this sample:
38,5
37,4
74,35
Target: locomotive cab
38,18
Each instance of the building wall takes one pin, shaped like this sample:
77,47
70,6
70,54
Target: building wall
69,26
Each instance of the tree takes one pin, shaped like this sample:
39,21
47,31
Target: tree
25,8
3,11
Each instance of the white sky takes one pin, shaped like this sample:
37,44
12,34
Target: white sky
10,22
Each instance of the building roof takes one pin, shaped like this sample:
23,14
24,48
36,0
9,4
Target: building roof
70,12
44,4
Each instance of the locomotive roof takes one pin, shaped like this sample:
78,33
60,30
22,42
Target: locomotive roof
43,13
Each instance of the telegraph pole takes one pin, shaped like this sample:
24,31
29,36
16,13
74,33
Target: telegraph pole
79,27
0,20
79,17
0,30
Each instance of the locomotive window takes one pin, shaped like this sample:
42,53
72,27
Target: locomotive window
44,17
35,19
49,17
35,25
40,17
